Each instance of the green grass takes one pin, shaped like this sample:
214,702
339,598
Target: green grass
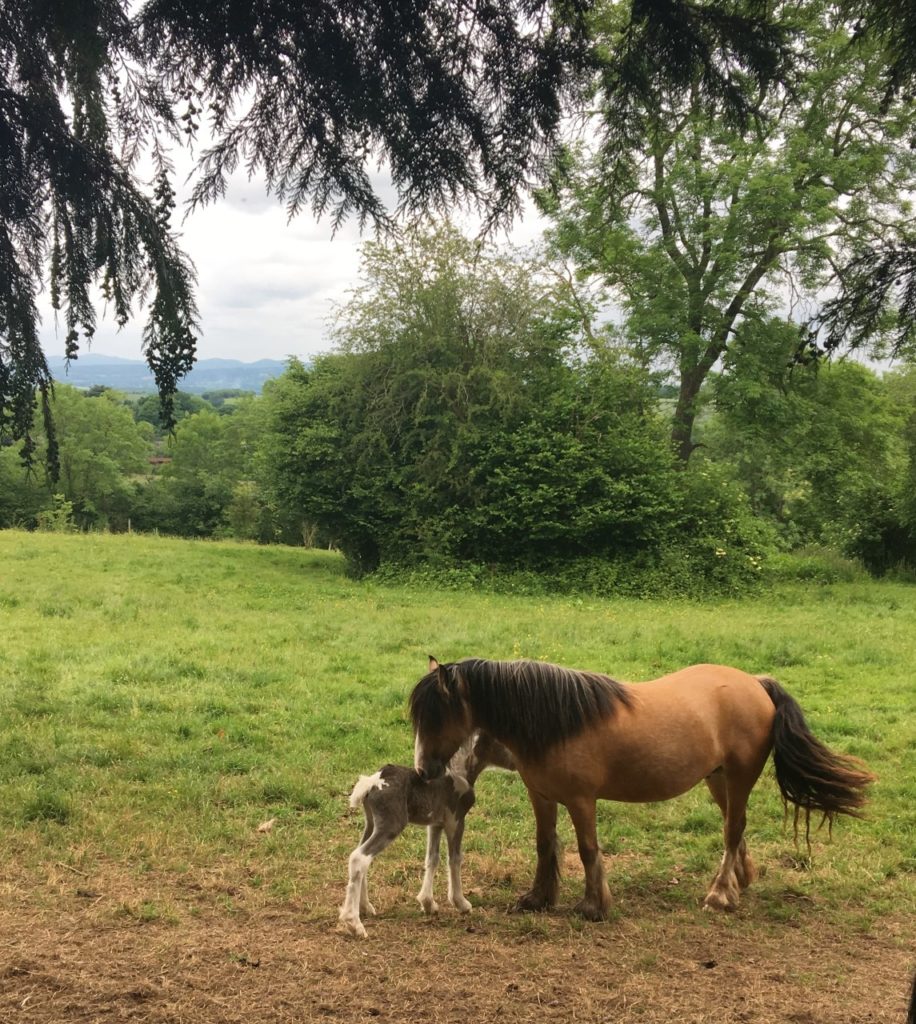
161,698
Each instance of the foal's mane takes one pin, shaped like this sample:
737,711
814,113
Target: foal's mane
533,705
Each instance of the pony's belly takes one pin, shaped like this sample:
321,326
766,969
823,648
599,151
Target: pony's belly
642,787
624,780
627,762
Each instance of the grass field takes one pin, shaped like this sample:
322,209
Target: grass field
161,698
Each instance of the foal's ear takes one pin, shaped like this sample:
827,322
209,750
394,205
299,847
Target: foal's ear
433,664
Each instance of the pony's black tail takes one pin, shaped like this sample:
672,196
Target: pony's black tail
809,774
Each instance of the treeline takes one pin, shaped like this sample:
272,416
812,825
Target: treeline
467,424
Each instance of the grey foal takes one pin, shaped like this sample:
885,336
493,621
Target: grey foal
396,796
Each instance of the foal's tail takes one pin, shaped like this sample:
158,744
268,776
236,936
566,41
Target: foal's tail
809,774
364,786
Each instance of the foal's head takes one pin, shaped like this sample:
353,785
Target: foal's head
441,718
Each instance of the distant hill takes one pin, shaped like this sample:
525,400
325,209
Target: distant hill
134,375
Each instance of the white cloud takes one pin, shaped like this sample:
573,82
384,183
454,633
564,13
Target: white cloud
267,286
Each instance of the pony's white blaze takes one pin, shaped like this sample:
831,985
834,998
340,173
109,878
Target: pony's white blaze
417,753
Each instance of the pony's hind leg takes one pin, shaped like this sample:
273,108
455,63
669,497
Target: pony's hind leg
454,830
544,891
425,896
736,869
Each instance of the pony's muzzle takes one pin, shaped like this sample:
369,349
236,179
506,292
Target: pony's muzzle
433,769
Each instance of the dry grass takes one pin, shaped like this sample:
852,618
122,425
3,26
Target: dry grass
94,954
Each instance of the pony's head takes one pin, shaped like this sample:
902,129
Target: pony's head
441,716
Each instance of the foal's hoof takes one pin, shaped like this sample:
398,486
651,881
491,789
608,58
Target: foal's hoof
354,927
430,906
368,910
461,905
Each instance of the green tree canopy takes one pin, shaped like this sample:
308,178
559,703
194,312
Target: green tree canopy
458,422
459,102
149,409
719,225
209,457
100,448
819,449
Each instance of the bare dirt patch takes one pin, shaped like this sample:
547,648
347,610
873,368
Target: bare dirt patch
85,953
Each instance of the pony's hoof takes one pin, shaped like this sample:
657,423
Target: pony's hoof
746,873
368,910
719,901
532,901
592,911
429,906
462,905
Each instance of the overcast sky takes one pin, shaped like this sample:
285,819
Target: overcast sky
266,287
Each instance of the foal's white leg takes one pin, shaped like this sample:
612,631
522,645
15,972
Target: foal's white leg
365,907
454,829
425,897
349,912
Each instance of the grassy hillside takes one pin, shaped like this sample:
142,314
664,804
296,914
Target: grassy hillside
162,698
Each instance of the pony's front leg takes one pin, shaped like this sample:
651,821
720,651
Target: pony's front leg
544,891
425,896
597,900
454,830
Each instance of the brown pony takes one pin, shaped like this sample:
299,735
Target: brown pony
580,736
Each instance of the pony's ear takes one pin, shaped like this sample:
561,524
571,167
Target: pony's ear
433,664
443,681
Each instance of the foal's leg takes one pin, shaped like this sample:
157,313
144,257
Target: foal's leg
356,885
597,900
543,893
735,865
454,830
360,860
425,897
365,907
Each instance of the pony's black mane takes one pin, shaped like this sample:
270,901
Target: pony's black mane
530,705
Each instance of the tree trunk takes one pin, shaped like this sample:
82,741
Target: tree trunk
685,413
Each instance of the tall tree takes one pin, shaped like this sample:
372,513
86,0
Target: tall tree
210,455
832,485
719,225
77,106
460,101
457,424
101,450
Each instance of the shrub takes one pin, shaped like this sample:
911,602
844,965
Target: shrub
58,518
